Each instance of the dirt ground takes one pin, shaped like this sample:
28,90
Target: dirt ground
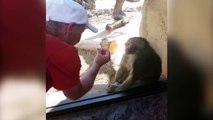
99,17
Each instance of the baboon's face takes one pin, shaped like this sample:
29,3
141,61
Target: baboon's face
130,47
134,44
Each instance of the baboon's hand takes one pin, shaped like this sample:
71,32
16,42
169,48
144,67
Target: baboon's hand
111,88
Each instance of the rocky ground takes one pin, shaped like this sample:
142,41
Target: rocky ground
99,17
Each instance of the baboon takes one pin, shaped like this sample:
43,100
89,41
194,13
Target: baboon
140,65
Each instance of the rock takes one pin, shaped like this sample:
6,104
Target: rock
154,27
87,4
133,0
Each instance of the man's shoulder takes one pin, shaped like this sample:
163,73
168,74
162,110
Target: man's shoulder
52,40
56,47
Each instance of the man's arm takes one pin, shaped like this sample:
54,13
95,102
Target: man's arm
87,81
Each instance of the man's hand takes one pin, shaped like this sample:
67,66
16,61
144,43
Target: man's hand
87,81
102,57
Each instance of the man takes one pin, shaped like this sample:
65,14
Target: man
65,22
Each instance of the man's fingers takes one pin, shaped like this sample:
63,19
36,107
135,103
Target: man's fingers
101,51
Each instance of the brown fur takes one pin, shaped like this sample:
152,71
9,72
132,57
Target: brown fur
140,65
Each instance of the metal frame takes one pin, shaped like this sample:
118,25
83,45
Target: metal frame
108,98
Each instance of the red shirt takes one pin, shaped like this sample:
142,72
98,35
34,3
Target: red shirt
62,64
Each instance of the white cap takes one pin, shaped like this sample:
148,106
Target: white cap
67,11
